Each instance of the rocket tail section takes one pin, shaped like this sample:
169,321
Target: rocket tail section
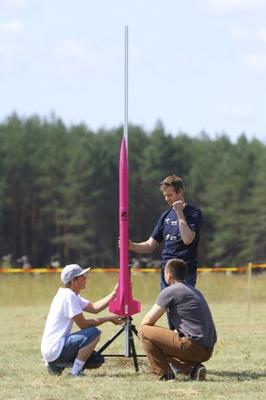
123,305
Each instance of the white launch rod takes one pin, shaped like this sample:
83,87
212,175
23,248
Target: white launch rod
126,89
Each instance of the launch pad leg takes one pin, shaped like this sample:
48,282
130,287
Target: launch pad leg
130,349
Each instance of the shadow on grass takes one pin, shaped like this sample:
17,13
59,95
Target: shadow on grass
212,376
124,367
240,376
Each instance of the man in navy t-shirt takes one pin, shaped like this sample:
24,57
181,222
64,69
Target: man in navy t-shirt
179,229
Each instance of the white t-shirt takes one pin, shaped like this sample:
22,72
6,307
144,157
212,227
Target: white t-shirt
65,305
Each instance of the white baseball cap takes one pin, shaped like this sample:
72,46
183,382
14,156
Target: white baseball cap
71,271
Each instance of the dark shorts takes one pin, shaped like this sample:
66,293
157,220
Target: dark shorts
73,343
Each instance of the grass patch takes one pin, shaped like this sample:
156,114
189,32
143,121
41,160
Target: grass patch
236,371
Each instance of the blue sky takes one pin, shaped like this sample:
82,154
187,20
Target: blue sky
194,64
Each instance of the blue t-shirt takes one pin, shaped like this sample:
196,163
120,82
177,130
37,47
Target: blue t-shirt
167,230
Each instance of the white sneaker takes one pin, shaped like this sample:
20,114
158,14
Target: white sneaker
80,374
198,373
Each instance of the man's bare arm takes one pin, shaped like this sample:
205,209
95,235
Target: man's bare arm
101,304
143,247
186,233
84,323
153,315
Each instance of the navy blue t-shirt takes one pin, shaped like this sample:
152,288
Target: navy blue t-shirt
167,230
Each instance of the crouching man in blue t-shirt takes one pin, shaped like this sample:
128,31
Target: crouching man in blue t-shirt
193,339
59,347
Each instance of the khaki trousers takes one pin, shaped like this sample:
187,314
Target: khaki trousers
164,346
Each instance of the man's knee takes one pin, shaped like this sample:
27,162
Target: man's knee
95,339
98,337
144,332
91,333
141,333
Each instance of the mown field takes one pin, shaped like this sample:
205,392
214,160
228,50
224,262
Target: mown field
236,371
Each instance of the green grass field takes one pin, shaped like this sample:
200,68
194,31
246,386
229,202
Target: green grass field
237,369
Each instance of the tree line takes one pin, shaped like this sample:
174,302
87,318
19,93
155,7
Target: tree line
59,191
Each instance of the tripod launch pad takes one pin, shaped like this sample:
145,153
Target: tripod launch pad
130,349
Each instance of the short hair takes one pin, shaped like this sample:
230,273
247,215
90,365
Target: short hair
173,180
177,268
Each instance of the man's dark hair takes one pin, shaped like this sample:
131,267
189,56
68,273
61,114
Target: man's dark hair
177,268
173,180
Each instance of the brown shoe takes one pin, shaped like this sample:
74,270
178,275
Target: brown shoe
198,373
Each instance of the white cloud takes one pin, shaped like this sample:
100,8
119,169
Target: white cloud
234,111
240,33
78,52
13,3
255,62
14,26
261,35
72,48
83,55
228,6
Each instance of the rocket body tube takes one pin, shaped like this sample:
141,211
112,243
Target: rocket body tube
124,304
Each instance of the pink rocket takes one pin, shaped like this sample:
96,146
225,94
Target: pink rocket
124,304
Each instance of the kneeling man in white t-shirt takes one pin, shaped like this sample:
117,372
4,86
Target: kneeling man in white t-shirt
59,347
